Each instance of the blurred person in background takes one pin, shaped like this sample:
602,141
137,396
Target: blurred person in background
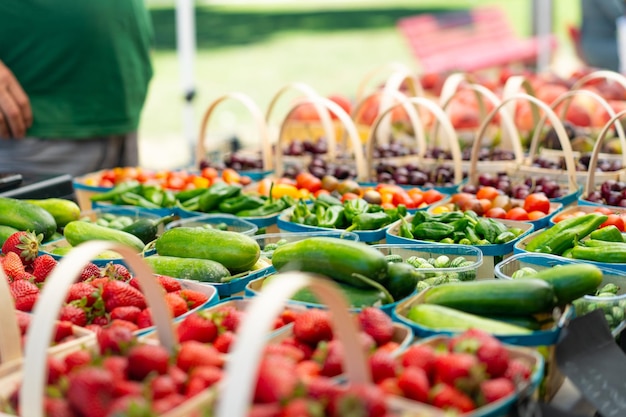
73,80
599,32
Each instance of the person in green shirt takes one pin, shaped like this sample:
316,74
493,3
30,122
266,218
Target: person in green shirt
74,76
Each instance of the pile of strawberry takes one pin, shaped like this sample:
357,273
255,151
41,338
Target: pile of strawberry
124,377
63,330
100,297
469,371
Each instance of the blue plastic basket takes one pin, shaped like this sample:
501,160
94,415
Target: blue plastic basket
158,212
233,223
259,222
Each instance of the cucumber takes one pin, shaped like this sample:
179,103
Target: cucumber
23,215
402,280
444,318
335,258
235,251
78,231
570,281
63,211
107,254
202,270
493,297
5,232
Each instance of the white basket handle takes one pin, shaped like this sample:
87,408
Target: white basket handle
10,340
393,67
242,367
257,115
346,121
593,162
606,74
558,128
49,305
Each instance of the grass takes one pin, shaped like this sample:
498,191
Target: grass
258,48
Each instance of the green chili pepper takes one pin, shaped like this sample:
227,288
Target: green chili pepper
333,217
396,213
369,221
217,193
354,207
328,200
131,185
405,229
183,196
242,202
504,237
608,233
432,230
471,235
266,209
193,204
471,216
606,254
310,220
152,193
465,241
448,217
420,217
169,199
460,225
563,235
486,229
135,199
458,235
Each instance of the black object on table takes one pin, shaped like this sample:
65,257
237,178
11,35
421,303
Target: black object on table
39,186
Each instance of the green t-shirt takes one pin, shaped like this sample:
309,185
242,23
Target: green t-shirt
84,64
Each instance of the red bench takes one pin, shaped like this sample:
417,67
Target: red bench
467,41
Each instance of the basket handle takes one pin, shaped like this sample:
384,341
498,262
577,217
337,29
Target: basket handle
49,305
443,119
394,67
566,99
348,124
257,115
509,131
10,340
558,128
606,74
242,367
593,162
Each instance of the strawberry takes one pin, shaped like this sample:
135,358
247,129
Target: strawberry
73,314
382,365
421,356
115,340
517,371
56,368
224,341
83,291
377,324
117,365
13,266
305,348
117,272
178,376
457,368
146,359
77,359
413,382
124,323
128,313
90,271
90,391
276,380
487,349
99,282
176,304
144,319
201,378
303,407
289,315
24,244
308,369
322,387
63,331
169,284
390,387
125,388
130,404
162,386
357,399
192,354
447,397
232,319
494,389
25,294
118,293
163,405
313,326
42,266
368,344
389,347
57,407
287,351
23,320
100,320
193,298
330,355
197,326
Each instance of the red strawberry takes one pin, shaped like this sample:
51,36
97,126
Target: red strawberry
77,359
146,359
330,355
23,321
117,272
447,397
128,313
289,315
201,378
197,326
13,266
99,282
162,386
377,324
390,387
56,368
304,347
517,371
421,356
192,354
302,407
224,341
100,320
63,331
276,379
366,399
25,294
73,314
287,351
313,326
124,323
168,283
193,298
42,266
144,319
117,365
487,349
178,376
23,244
494,389
413,382
176,304
322,387
308,369
125,388
232,319
455,368
265,410
134,401
83,291
163,405
90,271
115,340
57,407
118,293
382,365
90,391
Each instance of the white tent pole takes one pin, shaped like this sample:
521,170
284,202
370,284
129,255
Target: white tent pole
186,48
542,17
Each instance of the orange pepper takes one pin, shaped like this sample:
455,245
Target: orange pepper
263,187
230,176
280,190
385,196
201,182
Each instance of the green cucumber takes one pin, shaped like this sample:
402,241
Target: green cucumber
444,318
402,280
570,281
335,258
78,231
23,215
5,232
202,270
493,297
63,210
235,251
146,229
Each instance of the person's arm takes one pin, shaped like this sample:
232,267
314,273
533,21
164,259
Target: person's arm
15,113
